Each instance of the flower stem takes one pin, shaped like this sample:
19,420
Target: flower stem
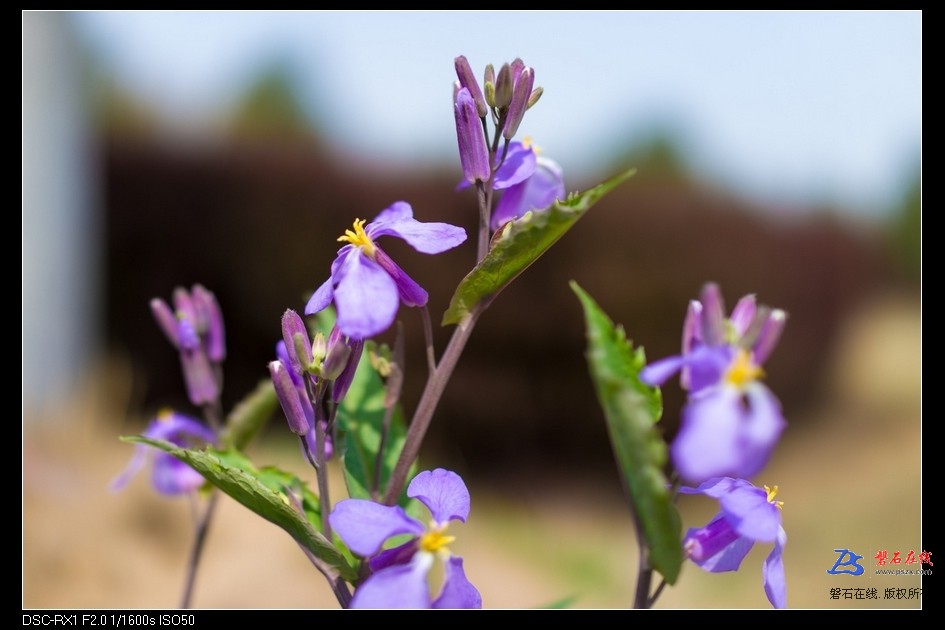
323,500
483,248
644,579
195,552
427,405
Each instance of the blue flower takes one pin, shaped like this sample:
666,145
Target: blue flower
366,285
399,574
748,515
169,475
731,421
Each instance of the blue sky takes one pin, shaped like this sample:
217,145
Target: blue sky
790,108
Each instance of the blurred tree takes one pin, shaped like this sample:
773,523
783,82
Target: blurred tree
907,229
271,106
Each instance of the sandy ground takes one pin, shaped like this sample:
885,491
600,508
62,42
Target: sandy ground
851,478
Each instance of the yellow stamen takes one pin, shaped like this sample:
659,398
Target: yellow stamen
772,493
359,238
742,371
529,144
435,539
165,414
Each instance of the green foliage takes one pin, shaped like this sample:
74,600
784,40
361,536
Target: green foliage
361,420
518,244
632,409
250,415
265,492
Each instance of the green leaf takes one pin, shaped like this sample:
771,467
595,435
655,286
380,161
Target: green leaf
250,415
632,409
263,492
518,245
361,420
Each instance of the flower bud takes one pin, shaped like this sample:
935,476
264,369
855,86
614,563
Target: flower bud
296,340
165,320
503,87
468,80
210,323
489,85
299,418
473,153
520,94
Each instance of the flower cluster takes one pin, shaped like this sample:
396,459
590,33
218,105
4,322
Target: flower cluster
399,575
305,372
195,328
730,426
731,421
532,183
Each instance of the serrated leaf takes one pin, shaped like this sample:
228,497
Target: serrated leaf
520,243
263,493
632,409
361,420
249,416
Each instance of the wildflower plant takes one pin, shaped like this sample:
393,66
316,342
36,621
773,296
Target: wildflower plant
338,389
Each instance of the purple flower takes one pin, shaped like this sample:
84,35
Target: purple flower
731,422
169,475
399,574
195,328
365,284
748,515
537,192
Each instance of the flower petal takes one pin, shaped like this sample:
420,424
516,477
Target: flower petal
171,476
411,293
658,372
707,443
398,586
761,429
518,166
321,298
773,573
443,492
458,592
751,514
366,297
716,547
426,238
138,459
715,487
401,554
365,525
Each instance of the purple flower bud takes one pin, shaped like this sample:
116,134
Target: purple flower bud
337,355
210,325
165,320
769,335
713,315
473,153
184,305
692,334
468,80
503,87
520,94
343,382
742,316
300,354
300,418
202,387
517,67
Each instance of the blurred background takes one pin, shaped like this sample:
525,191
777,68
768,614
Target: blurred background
776,153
